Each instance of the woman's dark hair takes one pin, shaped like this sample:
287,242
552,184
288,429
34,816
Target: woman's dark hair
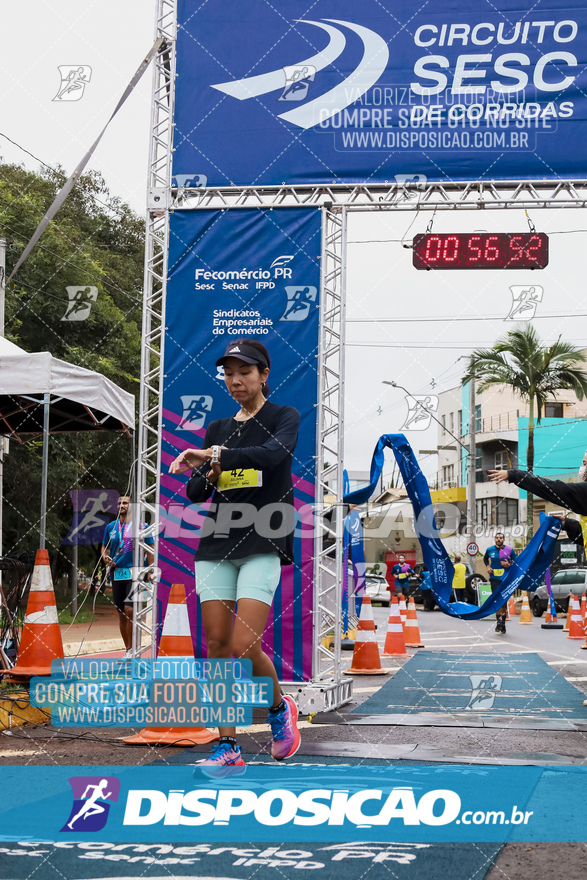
261,348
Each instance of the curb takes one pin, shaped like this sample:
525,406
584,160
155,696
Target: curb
100,646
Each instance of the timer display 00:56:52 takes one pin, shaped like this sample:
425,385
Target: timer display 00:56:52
503,250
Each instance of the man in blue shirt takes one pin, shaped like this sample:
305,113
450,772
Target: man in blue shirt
401,572
117,553
497,559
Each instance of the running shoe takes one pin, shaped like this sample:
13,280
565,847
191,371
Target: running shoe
128,655
223,761
284,730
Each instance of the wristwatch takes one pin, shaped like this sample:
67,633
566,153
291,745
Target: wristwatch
215,454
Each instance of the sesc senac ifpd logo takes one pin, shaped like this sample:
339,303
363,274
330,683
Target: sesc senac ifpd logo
91,802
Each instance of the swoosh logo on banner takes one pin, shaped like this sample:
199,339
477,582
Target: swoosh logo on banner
253,86
366,74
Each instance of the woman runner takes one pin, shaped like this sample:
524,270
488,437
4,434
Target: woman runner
245,466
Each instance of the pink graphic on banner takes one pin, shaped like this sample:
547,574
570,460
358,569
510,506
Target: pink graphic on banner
178,543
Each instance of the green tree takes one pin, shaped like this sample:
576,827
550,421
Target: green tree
98,241
534,371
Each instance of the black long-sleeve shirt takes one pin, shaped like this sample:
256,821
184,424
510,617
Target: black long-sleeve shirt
259,517
572,496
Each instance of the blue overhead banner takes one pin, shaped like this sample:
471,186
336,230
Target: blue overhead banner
379,91
251,273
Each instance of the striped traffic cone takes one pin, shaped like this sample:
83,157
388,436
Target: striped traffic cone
568,620
551,620
512,610
576,629
176,641
584,647
403,610
411,629
395,642
525,613
41,636
584,608
366,659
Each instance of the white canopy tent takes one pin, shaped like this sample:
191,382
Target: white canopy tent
40,394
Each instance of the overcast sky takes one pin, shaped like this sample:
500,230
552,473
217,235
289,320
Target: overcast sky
110,36
450,312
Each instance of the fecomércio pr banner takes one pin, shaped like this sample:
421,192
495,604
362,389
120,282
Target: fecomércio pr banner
379,91
252,274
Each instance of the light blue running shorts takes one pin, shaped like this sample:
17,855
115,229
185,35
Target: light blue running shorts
228,580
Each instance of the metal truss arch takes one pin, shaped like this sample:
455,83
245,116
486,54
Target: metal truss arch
433,196
328,688
146,516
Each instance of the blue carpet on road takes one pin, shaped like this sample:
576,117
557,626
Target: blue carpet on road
492,684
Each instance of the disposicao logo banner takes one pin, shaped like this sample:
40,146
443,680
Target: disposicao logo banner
302,802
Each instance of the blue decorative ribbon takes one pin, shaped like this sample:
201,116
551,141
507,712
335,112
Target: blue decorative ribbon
526,571
353,536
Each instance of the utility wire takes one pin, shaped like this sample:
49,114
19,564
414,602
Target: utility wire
110,207
400,240
455,319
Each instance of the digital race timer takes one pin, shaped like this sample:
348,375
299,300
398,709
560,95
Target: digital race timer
481,250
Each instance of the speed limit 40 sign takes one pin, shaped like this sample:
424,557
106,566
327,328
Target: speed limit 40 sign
472,549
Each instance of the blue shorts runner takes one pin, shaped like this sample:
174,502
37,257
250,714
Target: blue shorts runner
228,580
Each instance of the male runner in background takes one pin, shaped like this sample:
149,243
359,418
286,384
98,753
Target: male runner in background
401,572
117,553
493,559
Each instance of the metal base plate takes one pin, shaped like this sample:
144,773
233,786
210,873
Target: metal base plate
320,696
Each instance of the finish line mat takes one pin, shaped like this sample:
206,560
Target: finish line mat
261,861
493,685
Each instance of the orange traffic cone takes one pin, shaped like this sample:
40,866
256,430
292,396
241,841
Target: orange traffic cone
576,630
41,637
395,643
584,647
411,629
176,641
583,608
366,659
512,610
403,610
569,608
551,618
525,614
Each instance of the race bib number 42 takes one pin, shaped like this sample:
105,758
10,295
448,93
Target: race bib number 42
240,478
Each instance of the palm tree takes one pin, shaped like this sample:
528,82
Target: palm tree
534,372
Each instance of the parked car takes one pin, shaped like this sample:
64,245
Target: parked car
377,589
472,581
563,583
